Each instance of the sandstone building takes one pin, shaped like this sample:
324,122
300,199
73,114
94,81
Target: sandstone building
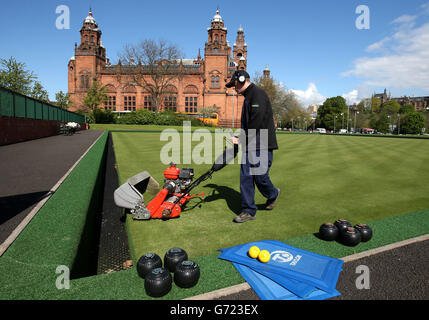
202,84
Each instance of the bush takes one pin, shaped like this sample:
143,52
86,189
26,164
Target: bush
101,116
167,118
163,118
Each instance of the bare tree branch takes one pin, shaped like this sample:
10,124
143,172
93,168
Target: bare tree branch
154,66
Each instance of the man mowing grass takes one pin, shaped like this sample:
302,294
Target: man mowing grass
258,140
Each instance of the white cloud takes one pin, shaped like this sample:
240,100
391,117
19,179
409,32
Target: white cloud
405,19
406,63
309,96
377,46
352,97
425,7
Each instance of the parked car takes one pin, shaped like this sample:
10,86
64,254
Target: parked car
343,131
320,130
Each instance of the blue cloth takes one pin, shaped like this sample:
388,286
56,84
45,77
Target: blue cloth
255,171
307,270
267,289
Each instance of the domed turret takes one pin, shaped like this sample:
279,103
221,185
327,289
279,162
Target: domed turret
217,17
90,19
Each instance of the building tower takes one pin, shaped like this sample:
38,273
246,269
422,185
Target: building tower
266,73
216,54
240,50
88,60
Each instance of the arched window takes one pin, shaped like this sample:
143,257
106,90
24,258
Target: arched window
84,81
217,84
213,82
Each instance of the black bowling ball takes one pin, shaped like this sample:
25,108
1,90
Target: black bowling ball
173,257
158,282
187,274
365,231
147,263
328,232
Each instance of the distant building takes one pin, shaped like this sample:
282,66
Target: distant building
313,110
419,103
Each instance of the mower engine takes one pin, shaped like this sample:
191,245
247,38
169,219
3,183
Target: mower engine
169,200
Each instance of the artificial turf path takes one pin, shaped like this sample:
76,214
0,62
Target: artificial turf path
30,169
28,268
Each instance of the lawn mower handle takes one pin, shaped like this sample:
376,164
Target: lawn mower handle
226,157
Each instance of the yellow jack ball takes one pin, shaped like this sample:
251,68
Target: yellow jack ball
254,252
264,256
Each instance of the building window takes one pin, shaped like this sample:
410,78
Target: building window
84,81
215,82
110,103
130,103
191,104
148,103
170,103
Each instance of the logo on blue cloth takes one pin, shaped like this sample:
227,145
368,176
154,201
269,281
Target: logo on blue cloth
284,257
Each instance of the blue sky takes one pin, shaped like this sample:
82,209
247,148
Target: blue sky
312,47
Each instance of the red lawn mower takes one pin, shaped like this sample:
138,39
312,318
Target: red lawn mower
168,201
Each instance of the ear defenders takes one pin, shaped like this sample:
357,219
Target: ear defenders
242,79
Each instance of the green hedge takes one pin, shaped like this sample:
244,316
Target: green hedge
142,117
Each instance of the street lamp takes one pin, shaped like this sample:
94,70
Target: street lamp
399,124
390,125
354,130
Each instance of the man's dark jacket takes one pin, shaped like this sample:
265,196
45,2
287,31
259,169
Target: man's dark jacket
257,114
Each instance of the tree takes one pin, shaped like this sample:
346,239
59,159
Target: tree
390,107
332,107
96,94
159,66
38,92
408,108
413,123
383,123
15,76
375,105
283,102
63,100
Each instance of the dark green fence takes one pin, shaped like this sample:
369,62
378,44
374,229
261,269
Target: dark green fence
13,104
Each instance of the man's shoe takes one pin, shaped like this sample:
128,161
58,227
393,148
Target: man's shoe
243,217
272,203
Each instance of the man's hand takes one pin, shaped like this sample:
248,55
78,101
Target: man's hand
235,140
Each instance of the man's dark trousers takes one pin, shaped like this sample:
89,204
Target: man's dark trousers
248,179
